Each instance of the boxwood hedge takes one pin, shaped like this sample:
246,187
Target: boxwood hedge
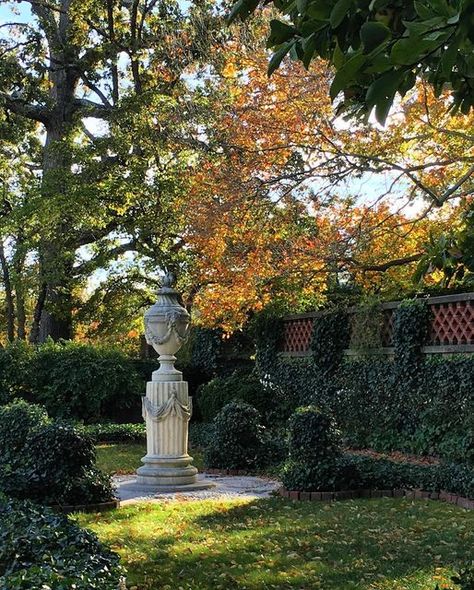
48,461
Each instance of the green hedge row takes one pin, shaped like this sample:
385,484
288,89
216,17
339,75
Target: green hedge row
353,472
316,463
40,549
116,432
73,380
411,403
83,382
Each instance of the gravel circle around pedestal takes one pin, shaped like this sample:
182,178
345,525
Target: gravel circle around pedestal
223,486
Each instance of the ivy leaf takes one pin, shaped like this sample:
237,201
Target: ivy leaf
346,73
319,11
309,47
382,92
423,10
407,51
242,9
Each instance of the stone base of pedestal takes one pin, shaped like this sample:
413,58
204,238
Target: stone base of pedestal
134,487
166,471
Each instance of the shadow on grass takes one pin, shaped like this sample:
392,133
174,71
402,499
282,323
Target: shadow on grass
376,544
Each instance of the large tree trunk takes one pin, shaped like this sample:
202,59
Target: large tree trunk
56,251
9,302
56,259
18,268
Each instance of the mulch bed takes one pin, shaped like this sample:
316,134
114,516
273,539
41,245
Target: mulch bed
396,456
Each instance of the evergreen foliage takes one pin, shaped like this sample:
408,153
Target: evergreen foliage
46,461
238,441
40,549
413,403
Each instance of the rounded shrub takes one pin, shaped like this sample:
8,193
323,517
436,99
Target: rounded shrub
238,441
312,436
49,462
314,452
244,386
17,421
200,434
40,549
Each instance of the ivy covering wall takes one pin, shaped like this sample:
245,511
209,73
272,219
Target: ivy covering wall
412,402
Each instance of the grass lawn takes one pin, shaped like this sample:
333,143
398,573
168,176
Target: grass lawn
124,458
380,544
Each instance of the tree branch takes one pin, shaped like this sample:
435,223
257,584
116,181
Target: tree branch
89,108
384,266
102,258
21,107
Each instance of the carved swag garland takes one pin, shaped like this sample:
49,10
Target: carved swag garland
172,407
172,318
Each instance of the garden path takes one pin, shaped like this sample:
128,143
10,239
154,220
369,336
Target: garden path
227,486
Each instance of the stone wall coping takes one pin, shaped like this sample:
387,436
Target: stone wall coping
390,350
455,298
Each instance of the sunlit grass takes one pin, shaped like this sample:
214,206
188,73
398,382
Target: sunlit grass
124,458
386,544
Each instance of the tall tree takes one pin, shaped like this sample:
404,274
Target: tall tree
66,63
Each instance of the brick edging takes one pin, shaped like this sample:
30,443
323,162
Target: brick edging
443,496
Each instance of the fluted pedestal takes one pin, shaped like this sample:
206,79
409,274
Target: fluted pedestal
166,410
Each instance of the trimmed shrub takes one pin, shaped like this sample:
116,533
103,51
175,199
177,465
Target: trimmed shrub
41,549
200,434
312,436
15,366
314,477
74,380
115,432
384,474
213,396
314,450
238,441
351,472
52,462
17,421
457,478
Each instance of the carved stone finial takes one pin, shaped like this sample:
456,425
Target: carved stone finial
169,280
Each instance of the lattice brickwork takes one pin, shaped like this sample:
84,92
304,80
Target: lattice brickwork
453,323
297,335
387,327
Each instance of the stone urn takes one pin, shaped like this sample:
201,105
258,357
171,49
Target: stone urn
167,329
